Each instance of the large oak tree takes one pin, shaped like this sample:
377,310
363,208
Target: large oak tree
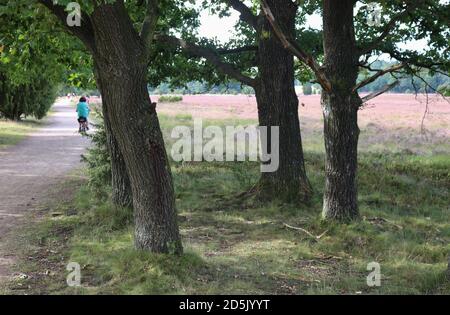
350,45
258,60
122,55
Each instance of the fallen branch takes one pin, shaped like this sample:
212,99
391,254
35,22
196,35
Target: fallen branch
306,232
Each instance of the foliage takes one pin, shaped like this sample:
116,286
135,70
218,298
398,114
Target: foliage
69,89
444,89
29,99
170,99
427,22
29,68
197,87
434,81
98,160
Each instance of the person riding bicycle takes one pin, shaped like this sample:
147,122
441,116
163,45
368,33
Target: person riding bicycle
83,111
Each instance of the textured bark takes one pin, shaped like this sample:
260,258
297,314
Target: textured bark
122,68
341,143
340,108
278,106
121,194
121,187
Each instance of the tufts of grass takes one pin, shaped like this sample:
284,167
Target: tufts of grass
241,246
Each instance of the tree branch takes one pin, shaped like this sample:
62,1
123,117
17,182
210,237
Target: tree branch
237,50
413,61
386,88
428,86
210,55
295,49
84,32
377,75
247,15
150,23
369,47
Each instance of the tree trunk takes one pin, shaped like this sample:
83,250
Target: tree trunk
121,188
122,68
340,110
278,106
341,144
120,182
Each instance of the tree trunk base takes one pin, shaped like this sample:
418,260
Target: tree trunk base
286,191
340,214
162,243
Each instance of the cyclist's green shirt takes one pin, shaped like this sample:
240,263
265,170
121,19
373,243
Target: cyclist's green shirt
83,110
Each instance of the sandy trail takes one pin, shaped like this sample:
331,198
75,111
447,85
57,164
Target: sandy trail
30,169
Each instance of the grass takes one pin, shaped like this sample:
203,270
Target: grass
12,132
235,246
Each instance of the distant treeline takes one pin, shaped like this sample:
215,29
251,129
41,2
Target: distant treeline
437,82
196,87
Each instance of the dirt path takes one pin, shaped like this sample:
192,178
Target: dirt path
31,168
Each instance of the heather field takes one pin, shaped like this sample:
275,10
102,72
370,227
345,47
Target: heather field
393,122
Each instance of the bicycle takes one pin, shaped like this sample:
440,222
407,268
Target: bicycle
84,125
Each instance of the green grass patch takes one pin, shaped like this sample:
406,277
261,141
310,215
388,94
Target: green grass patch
12,132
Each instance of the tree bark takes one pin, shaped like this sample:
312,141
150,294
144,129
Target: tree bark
340,107
121,194
278,106
341,143
122,68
